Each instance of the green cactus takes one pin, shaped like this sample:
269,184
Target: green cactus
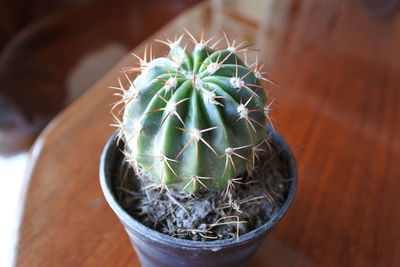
195,120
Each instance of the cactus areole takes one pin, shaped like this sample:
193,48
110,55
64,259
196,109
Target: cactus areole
194,120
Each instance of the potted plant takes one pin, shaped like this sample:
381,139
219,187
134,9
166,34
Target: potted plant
195,172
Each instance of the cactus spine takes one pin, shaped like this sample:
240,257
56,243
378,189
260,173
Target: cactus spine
195,120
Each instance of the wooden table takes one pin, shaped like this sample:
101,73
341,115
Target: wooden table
338,66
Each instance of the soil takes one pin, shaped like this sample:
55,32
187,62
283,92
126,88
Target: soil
208,215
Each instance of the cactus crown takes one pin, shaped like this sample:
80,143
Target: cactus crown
194,120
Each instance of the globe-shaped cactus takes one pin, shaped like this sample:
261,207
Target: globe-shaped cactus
195,120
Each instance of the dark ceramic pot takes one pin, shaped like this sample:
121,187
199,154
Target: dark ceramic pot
157,249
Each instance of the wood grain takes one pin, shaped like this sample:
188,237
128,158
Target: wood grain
338,66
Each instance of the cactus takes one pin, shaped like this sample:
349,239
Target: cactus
196,120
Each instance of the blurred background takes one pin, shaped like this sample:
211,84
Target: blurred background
51,52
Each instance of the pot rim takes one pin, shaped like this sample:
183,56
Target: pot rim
105,183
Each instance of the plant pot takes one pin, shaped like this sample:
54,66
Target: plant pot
156,249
